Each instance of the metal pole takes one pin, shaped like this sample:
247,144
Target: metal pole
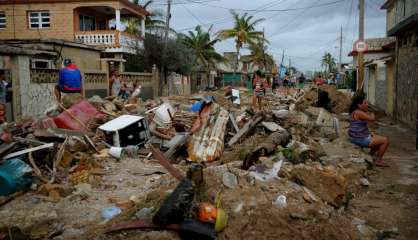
340,66
167,28
360,76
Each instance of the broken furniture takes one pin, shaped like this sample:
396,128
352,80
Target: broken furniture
126,130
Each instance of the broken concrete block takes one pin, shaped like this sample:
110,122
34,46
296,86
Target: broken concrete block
271,126
325,119
327,183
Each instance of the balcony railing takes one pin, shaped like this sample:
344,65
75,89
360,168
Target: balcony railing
110,40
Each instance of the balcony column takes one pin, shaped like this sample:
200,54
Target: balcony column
143,27
118,25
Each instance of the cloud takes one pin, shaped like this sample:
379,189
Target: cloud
304,34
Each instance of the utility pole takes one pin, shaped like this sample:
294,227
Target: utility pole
163,67
264,53
290,66
360,77
340,66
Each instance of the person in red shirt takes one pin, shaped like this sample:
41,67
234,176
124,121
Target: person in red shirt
319,81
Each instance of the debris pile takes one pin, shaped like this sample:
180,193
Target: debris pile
183,167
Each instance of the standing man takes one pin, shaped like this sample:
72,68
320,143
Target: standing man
70,80
116,84
302,80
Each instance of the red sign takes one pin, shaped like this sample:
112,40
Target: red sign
360,46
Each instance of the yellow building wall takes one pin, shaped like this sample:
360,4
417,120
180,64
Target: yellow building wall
61,18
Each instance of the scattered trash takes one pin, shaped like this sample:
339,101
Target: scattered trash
15,175
144,213
126,130
266,175
110,212
281,202
229,180
364,182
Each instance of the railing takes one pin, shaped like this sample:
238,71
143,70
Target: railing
110,39
98,38
138,78
44,75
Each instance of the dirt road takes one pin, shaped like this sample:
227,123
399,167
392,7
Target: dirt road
391,201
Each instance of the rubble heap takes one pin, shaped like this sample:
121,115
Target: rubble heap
182,167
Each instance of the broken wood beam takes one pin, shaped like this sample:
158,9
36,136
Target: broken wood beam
173,149
166,164
244,130
234,123
15,154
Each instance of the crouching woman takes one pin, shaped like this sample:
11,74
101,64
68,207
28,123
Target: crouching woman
359,132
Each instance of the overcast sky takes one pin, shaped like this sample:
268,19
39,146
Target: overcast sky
303,34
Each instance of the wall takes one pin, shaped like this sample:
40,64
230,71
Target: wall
389,88
395,13
61,18
406,85
86,60
381,90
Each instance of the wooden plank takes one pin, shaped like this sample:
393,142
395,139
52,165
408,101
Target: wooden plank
15,154
244,130
234,123
166,164
169,153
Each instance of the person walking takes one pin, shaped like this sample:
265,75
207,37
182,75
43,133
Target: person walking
359,133
259,85
302,80
286,83
70,80
115,83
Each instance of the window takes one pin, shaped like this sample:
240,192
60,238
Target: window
42,64
39,20
87,23
2,20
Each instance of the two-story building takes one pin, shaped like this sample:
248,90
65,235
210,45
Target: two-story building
95,23
402,23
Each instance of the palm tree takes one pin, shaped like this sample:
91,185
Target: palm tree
153,22
259,57
328,62
243,32
202,47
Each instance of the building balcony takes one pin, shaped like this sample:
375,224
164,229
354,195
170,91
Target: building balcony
112,41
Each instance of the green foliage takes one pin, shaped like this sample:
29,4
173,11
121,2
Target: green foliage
243,32
202,47
328,62
179,58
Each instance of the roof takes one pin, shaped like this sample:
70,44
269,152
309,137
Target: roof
126,2
12,50
120,123
375,45
407,24
387,4
50,41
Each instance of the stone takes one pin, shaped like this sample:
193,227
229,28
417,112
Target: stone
313,111
327,183
70,99
325,119
364,182
281,114
366,231
358,221
229,180
271,126
144,213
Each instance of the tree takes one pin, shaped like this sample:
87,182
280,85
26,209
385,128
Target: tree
259,57
328,62
153,22
203,47
179,58
243,32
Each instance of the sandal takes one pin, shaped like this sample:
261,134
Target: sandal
381,163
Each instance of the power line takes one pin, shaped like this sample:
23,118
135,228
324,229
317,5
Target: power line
268,10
